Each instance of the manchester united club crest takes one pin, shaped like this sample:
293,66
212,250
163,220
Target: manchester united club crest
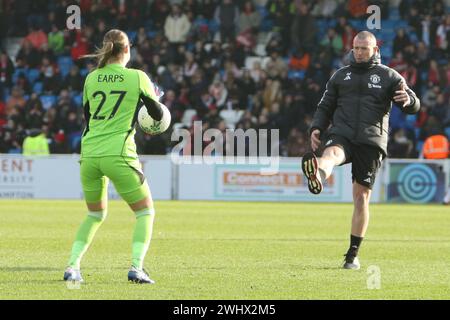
375,78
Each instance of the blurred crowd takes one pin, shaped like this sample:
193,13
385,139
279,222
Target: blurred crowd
259,64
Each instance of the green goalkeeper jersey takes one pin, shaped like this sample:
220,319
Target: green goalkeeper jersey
111,98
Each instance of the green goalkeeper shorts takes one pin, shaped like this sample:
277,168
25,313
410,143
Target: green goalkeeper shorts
125,173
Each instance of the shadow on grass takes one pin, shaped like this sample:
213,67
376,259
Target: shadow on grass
309,268
27,269
409,240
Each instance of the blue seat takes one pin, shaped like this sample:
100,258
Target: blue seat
213,26
321,24
38,87
336,63
64,64
386,51
300,75
442,62
6,94
358,25
417,132
200,21
413,37
397,119
388,24
394,13
447,132
132,35
78,99
190,46
74,140
84,72
424,75
152,34
388,35
15,151
262,10
64,70
33,75
266,25
401,24
64,60
148,25
48,101
354,23
17,73
419,146
410,121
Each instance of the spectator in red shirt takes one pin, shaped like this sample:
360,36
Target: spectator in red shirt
80,46
6,71
2,114
37,37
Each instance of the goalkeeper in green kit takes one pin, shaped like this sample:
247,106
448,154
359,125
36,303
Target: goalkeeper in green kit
111,98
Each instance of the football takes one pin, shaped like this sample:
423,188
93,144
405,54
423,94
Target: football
150,125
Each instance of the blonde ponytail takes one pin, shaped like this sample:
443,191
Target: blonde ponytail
114,43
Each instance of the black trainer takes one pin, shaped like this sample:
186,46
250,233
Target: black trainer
351,262
310,167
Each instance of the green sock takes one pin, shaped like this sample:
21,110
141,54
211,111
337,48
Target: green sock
142,236
84,237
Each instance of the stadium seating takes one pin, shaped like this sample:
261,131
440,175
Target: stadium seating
17,73
47,101
447,132
410,121
299,75
266,32
64,64
131,35
419,147
78,99
38,87
33,75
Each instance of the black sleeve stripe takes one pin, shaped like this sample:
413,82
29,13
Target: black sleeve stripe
138,102
153,108
87,117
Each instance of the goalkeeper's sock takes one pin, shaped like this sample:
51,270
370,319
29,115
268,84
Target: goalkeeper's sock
84,237
142,236
355,243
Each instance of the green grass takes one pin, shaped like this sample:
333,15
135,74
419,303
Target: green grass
227,250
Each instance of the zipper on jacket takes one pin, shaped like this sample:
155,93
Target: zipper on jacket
358,110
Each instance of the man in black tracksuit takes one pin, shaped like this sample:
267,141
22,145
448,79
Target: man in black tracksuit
353,120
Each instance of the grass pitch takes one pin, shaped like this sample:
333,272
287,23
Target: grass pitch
228,250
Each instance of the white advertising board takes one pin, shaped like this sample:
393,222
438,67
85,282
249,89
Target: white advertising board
245,182
57,177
